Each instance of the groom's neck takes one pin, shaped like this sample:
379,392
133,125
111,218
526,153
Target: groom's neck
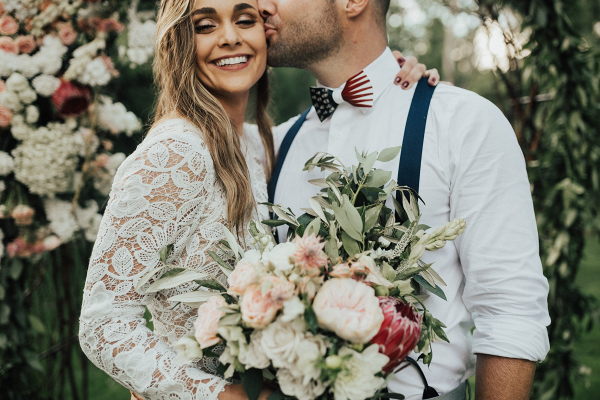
360,49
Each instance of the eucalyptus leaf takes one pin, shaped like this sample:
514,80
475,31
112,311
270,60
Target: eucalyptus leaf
388,272
371,217
369,162
237,249
174,281
389,154
378,178
313,228
283,215
321,182
434,290
331,249
194,297
147,276
316,206
350,245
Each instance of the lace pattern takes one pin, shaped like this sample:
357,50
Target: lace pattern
165,193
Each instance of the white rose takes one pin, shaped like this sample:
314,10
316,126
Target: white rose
187,350
17,82
33,114
292,309
357,380
45,85
280,341
310,351
10,100
28,96
294,386
348,308
254,356
281,256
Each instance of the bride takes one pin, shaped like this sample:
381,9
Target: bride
199,167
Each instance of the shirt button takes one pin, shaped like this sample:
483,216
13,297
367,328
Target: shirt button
338,135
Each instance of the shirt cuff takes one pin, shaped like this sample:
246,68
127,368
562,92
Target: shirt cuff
511,336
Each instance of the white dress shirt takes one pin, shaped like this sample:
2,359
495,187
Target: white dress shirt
472,168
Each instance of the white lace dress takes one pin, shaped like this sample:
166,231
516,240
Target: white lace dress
165,193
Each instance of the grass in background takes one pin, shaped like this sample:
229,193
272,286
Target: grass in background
102,387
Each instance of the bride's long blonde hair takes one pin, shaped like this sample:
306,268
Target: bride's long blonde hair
182,94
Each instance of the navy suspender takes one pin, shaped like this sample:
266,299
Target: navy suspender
283,150
409,172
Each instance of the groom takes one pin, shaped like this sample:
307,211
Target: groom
466,163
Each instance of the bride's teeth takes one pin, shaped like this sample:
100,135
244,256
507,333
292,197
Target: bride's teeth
232,61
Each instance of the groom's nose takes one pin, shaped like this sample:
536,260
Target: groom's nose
267,8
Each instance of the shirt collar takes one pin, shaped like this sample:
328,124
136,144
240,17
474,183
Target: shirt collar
380,72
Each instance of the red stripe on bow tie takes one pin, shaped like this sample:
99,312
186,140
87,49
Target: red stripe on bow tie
356,91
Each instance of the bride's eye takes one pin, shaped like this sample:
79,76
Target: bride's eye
247,21
204,27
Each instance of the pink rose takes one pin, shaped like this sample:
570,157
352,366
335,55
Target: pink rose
2,11
8,25
242,276
71,99
66,33
277,289
258,310
23,215
5,117
51,242
8,45
111,25
26,44
348,308
208,321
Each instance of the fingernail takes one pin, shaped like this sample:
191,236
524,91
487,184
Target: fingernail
432,80
401,60
405,85
398,80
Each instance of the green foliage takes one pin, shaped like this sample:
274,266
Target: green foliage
561,143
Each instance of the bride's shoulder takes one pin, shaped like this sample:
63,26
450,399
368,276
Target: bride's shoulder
179,129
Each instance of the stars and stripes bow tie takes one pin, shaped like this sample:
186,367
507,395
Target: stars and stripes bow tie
357,92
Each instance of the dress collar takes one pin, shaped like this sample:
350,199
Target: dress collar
380,72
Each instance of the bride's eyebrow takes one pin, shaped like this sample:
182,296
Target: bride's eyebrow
205,10
241,7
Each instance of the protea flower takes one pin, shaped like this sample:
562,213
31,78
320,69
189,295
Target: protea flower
399,332
71,99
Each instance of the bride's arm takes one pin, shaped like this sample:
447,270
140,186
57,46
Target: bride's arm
158,197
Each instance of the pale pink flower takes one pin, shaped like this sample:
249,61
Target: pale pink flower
38,247
23,215
8,25
51,242
242,276
208,321
309,253
5,116
258,310
102,160
2,86
348,308
309,285
8,45
26,44
2,10
110,25
341,271
277,289
66,33
367,265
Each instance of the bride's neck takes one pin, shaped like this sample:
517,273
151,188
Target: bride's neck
235,105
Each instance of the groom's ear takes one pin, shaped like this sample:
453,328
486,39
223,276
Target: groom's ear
355,8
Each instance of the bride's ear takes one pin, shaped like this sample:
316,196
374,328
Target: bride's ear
354,8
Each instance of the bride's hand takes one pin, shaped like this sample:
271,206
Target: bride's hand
237,392
412,72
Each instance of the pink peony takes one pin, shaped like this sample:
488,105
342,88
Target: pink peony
348,308
208,321
23,215
26,44
309,253
400,331
71,99
242,276
5,117
66,33
51,242
8,45
258,310
8,25
277,289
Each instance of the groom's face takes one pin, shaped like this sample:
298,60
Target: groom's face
301,32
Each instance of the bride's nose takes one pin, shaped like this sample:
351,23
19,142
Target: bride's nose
230,36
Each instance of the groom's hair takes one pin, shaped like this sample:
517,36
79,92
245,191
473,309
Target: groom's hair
381,9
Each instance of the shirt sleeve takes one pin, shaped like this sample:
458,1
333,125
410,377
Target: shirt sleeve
158,196
505,289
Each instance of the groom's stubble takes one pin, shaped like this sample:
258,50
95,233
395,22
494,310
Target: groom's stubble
307,39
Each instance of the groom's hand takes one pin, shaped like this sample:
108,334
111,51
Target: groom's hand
412,71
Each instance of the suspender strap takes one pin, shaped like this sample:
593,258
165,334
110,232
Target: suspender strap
409,172
283,151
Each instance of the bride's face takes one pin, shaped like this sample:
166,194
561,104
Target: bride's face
231,48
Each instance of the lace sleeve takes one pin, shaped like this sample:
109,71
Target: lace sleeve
161,195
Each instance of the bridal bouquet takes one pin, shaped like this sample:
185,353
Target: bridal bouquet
337,308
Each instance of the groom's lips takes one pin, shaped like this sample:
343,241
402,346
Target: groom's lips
269,30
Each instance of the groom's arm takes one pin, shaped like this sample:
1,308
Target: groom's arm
499,378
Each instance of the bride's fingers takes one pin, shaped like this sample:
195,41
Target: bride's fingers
433,75
408,64
414,76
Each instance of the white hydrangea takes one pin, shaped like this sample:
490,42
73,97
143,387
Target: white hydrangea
7,63
49,57
7,164
140,41
62,222
11,100
32,114
116,118
21,9
46,159
27,96
103,181
17,83
45,84
95,73
19,129
27,66
82,56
